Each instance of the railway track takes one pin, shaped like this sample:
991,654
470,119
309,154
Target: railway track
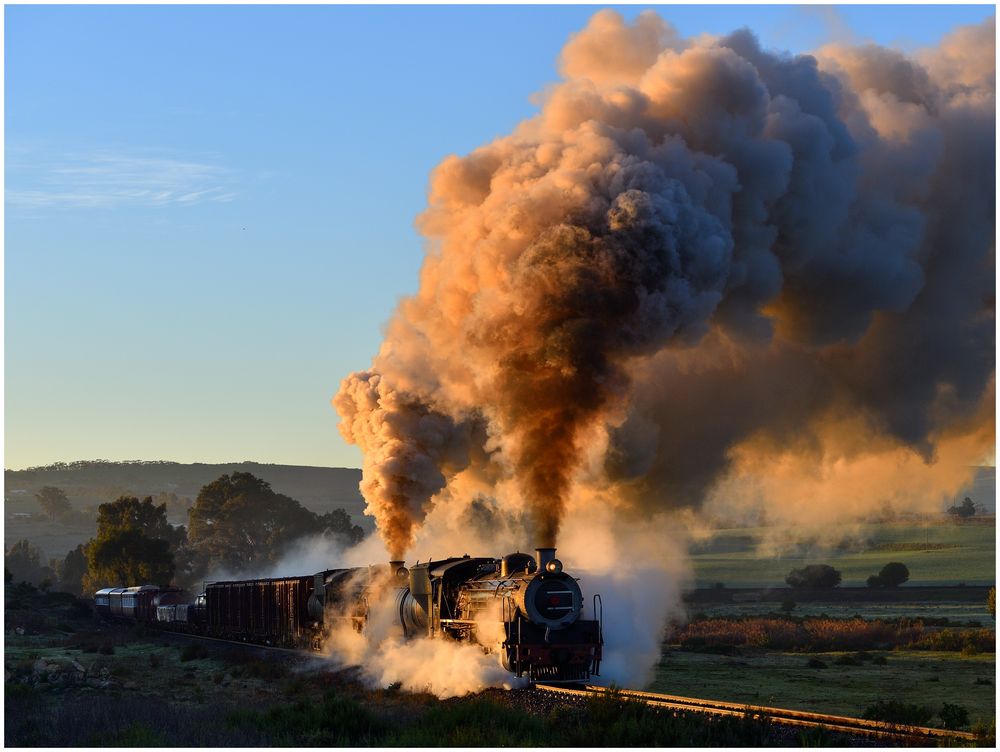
782,716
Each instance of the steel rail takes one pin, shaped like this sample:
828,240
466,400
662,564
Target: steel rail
783,716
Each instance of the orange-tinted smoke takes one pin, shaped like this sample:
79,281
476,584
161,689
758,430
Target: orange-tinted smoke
700,251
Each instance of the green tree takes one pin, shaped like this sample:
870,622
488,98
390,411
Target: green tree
24,562
126,557
964,510
134,545
72,570
54,502
128,513
893,574
238,521
814,576
338,522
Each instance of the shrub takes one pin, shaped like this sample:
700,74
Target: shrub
986,733
893,711
814,576
193,652
107,649
806,634
893,574
336,721
138,735
266,669
970,641
788,605
816,663
953,716
880,660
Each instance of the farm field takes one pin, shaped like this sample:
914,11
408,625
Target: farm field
934,553
784,679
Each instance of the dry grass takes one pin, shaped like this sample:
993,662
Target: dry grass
820,634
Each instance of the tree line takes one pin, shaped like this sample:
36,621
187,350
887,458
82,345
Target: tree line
236,523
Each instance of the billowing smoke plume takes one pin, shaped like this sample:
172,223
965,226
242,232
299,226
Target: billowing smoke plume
700,262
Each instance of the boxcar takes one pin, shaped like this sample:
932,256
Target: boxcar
272,611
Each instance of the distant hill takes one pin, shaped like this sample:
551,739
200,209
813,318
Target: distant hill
94,482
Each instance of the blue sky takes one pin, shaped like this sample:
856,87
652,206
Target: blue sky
209,209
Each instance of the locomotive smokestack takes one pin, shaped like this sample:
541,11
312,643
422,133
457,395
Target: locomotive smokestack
395,566
543,556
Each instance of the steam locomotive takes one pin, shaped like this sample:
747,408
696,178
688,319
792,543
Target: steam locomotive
526,609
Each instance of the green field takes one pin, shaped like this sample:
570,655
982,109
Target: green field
946,554
958,613
784,680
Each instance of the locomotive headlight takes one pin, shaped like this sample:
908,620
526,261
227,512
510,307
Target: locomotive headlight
554,566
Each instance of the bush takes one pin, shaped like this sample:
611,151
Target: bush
814,576
968,641
880,660
817,634
193,652
893,574
788,605
893,711
138,735
265,669
953,716
336,721
816,663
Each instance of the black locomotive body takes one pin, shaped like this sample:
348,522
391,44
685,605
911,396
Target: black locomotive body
525,608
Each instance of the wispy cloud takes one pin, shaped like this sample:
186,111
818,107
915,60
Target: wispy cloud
108,180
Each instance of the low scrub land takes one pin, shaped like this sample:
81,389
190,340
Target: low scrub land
71,681
942,673
817,634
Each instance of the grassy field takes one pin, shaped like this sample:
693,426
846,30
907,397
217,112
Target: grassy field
934,553
960,613
785,680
